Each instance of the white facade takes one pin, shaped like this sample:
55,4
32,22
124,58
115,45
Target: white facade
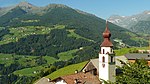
106,64
105,50
60,82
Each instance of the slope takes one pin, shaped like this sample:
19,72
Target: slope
83,25
53,31
14,13
67,70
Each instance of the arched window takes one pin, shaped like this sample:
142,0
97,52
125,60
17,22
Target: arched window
103,59
111,58
103,51
111,50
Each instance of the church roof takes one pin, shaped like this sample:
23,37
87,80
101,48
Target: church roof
44,81
91,65
95,63
106,36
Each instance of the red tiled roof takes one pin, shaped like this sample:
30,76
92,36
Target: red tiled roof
106,43
81,78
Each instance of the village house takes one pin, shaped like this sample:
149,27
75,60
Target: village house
133,56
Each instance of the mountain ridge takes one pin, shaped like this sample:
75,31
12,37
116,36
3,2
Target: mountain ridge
42,38
134,22
57,14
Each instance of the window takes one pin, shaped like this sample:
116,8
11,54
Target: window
94,71
111,58
103,51
103,59
112,50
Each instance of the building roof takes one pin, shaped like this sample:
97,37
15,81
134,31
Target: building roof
133,56
91,65
44,81
80,78
95,62
106,36
87,77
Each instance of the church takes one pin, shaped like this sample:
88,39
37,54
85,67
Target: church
101,69
96,70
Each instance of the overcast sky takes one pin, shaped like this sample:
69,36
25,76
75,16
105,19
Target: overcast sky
100,8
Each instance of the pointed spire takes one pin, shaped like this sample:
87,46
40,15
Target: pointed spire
106,30
106,35
106,23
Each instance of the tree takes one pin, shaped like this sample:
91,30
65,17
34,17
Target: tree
134,73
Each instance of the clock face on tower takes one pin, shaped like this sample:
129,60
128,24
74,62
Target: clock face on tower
103,65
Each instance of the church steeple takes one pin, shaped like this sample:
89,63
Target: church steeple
106,36
107,58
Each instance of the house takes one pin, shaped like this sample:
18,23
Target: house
77,78
44,81
92,67
144,51
133,56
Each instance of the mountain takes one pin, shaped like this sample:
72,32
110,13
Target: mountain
13,13
138,23
28,27
4,10
35,38
27,7
77,28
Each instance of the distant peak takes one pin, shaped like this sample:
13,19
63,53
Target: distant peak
24,3
26,6
146,12
115,16
57,6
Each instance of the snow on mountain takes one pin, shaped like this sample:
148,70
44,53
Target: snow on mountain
129,21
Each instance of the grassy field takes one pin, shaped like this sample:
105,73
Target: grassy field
50,60
127,50
67,55
73,34
33,71
67,70
6,59
24,60
29,71
20,32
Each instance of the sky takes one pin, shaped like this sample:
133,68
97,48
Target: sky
101,8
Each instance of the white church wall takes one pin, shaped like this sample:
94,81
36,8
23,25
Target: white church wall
106,49
103,67
60,82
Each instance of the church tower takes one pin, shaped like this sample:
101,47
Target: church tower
107,58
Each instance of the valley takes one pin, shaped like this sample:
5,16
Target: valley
36,41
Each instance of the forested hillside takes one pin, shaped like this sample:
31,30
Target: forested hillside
35,41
